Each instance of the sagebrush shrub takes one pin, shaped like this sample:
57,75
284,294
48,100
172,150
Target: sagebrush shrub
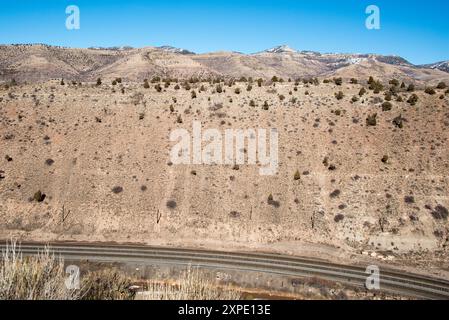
441,85
386,106
339,95
430,91
371,120
413,99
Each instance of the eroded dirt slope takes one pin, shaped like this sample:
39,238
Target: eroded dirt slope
101,157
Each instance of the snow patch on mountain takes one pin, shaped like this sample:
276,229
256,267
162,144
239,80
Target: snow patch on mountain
175,50
442,66
281,49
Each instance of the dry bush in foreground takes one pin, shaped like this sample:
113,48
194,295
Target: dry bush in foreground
106,285
43,277
192,285
33,278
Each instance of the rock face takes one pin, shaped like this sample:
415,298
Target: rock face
32,63
111,168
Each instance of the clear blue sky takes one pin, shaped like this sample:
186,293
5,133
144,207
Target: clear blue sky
416,30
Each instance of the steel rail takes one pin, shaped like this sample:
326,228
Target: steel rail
390,280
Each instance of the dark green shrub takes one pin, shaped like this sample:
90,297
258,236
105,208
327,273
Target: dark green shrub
371,120
338,81
339,217
339,95
171,204
441,85
155,79
386,106
440,213
335,194
376,86
272,202
413,99
399,122
117,189
430,91
394,82
297,176
39,196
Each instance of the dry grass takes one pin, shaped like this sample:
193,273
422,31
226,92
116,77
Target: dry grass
106,285
192,285
33,278
43,277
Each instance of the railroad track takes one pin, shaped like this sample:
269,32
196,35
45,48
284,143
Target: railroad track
390,281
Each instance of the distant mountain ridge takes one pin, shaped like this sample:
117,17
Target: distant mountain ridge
281,49
41,62
442,65
175,50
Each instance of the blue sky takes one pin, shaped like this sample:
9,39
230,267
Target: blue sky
416,30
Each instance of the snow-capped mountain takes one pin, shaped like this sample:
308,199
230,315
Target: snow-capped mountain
175,50
281,49
121,48
442,65
52,62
